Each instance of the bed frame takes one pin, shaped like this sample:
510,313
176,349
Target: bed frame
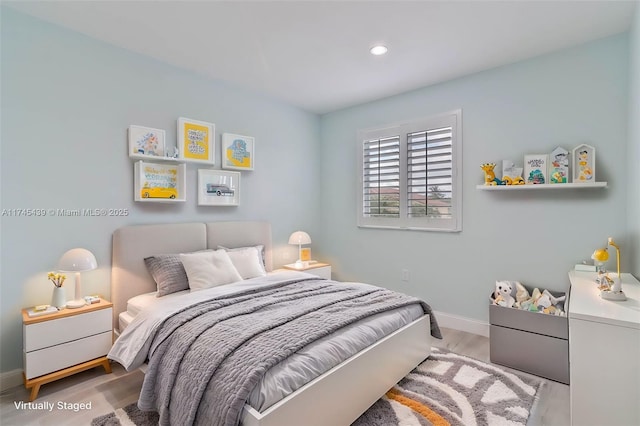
337,397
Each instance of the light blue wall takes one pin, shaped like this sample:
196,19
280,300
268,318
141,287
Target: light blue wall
574,96
67,101
633,157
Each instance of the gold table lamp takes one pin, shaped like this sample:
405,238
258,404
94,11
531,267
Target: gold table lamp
601,256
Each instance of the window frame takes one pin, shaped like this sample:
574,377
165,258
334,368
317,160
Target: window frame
451,119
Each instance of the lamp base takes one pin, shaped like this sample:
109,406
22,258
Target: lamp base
611,295
78,303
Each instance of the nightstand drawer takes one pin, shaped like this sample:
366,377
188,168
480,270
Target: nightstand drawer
67,329
55,358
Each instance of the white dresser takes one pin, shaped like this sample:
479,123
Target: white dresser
604,353
66,342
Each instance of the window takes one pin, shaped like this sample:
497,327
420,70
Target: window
411,175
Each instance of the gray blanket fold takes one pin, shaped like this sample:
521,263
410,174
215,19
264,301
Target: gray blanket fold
205,361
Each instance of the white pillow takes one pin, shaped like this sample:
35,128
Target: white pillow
209,269
248,262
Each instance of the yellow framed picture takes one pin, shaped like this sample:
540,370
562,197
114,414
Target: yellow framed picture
196,140
237,152
305,254
159,182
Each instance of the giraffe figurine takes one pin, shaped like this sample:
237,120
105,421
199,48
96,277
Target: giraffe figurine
489,175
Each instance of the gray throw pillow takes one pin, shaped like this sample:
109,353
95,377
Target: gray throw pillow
168,273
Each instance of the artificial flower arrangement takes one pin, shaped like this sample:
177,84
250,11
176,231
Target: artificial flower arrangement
57,279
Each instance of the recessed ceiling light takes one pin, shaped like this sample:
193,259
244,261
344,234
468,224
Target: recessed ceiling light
378,50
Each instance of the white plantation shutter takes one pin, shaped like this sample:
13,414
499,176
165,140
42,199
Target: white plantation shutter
429,173
410,175
381,174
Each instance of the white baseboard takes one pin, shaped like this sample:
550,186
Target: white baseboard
463,324
11,379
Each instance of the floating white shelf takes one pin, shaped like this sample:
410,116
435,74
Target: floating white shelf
155,158
542,186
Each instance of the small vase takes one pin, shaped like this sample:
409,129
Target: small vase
58,300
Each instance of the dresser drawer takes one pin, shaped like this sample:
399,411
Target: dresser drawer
49,333
43,361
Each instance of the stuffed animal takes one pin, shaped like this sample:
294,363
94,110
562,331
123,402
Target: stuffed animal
543,301
503,291
522,294
554,300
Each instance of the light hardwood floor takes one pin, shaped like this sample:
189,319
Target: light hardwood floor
107,392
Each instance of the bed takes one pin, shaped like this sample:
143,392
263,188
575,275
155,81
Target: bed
337,396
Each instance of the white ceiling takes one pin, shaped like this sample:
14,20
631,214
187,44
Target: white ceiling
315,54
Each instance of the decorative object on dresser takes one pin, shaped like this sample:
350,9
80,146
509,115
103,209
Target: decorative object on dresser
604,349
237,152
77,260
299,238
66,342
610,288
58,299
196,141
218,188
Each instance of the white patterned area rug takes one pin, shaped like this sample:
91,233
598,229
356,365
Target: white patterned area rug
446,389
452,389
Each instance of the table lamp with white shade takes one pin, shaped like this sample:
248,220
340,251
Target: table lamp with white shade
299,238
77,260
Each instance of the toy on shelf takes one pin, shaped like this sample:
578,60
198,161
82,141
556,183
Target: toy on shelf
489,175
584,164
511,175
559,166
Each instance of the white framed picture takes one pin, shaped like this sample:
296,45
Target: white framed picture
146,142
196,141
238,152
218,188
584,164
535,169
159,182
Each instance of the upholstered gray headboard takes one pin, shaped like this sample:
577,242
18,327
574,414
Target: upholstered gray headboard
131,244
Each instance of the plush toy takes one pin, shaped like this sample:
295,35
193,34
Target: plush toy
554,300
503,292
543,301
512,294
522,294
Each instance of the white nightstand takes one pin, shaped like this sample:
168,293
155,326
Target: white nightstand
323,270
65,342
